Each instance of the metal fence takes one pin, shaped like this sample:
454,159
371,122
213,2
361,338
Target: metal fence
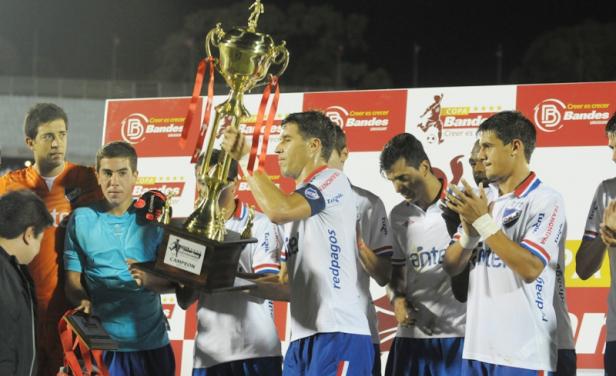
107,89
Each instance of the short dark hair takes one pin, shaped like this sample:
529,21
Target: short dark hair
315,124
20,210
233,168
610,127
42,113
403,145
341,141
509,126
117,149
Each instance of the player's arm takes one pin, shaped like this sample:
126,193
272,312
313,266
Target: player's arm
403,310
76,293
378,267
473,208
149,280
273,282
591,253
277,205
73,287
185,296
460,250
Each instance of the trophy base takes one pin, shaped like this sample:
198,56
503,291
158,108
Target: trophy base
196,261
239,284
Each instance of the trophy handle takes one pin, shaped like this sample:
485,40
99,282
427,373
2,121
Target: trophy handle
280,57
213,38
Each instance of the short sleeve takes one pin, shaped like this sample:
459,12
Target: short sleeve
545,227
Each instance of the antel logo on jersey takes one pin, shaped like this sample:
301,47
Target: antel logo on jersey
374,120
551,113
135,127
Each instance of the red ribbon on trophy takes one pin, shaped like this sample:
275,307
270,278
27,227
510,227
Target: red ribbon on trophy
204,64
272,85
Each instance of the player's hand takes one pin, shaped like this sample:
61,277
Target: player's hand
234,143
149,207
140,277
608,236
468,204
404,311
468,228
85,306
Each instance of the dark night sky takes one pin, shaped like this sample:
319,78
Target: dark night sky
458,39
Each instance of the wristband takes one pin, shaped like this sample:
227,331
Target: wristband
469,242
486,226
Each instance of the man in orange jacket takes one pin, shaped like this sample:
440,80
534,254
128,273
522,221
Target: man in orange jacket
63,186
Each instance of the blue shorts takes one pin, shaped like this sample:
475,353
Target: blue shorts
325,354
567,363
425,356
376,366
477,368
247,367
609,358
160,362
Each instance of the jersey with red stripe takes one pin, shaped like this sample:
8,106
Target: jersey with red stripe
511,322
236,326
321,256
606,192
75,186
420,239
374,229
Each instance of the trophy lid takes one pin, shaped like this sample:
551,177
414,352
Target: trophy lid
239,37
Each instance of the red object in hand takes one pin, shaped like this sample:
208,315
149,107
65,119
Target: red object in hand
150,205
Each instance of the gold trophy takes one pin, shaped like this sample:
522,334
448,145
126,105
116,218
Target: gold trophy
244,59
199,252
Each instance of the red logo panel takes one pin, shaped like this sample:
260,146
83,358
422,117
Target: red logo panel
369,118
568,114
589,309
152,126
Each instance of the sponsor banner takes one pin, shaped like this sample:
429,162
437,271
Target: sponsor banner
369,118
568,114
152,126
600,279
446,120
588,311
170,175
288,104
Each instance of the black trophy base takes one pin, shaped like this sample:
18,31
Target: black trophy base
239,284
198,262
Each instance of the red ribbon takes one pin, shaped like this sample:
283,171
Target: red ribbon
70,342
256,134
192,107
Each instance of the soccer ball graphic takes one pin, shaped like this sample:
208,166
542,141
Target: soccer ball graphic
431,137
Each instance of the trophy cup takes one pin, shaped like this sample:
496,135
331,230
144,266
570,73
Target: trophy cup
200,252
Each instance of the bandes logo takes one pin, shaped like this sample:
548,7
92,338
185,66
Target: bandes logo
135,127
166,185
549,114
375,120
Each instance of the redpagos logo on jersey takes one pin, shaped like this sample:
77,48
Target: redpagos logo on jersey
135,127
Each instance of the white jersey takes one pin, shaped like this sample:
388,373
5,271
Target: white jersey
511,322
234,325
321,256
420,239
606,192
374,229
